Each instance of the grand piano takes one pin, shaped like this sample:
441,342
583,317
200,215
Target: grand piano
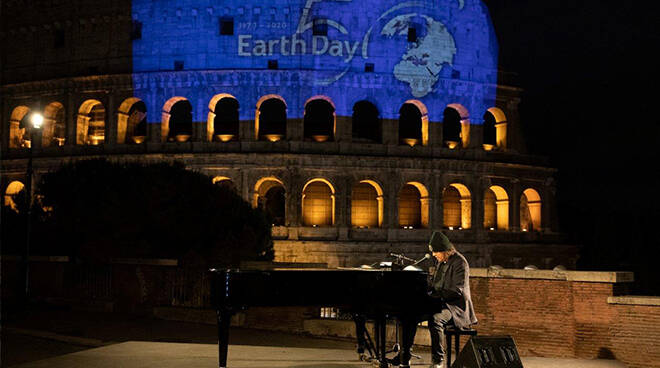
378,294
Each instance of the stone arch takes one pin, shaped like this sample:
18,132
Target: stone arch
17,124
224,181
413,123
495,129
367,204
496,208
132,121
54,128
366,123
530,210
12,190
166,117
456,126
90,123
180,121
270,196
318,203
270,118
223,120
413,206
457,207
320,119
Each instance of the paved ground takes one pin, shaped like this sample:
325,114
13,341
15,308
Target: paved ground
62,338
165,355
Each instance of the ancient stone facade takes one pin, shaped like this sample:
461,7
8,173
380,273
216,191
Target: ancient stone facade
350,196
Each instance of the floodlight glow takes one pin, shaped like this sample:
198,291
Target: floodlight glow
37,120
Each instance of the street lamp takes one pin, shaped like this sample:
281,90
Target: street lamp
37,121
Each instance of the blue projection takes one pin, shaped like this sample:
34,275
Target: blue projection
439,52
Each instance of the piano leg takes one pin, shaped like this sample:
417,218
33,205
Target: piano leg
224,317
381,332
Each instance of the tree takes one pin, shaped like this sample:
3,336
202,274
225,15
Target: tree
99,209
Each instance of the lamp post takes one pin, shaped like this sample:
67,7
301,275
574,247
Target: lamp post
37,120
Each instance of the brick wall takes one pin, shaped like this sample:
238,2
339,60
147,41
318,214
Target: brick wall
568,314
635,334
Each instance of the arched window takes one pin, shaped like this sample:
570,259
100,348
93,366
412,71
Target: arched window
225,121
366,123
224,181
457,207
318,204
530,210
319,121
132,121
90,127
54,127
451,127
271,119
413,206
17,123
12,194
495,129
180,121
490,141
136,128
496,208
410,125
270,196
25,129
366,205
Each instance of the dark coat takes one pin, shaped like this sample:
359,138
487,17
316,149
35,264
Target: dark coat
454,290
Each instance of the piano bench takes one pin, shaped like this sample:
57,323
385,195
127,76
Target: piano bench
457,333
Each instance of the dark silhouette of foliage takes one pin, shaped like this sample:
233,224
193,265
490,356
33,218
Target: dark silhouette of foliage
102,209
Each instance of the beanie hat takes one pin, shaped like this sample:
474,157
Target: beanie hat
439,242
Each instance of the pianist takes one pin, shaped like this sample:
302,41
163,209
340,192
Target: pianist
449,290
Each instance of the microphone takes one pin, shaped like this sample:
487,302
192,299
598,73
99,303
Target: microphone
426,256
401,256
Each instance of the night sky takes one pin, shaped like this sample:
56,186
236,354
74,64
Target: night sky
590,74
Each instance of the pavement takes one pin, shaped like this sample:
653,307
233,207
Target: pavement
63,338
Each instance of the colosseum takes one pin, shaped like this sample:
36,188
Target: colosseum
359,127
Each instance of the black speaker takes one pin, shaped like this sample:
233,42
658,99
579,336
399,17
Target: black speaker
488,352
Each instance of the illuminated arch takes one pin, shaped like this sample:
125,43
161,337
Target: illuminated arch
366,123
131,121
179,120
211,120
90,123
413,206
449,135
165,121
321,97
224,181
54,127
261,128
262,186
500,127
270,196
367,204
318,203
496,208
320,119
457,207
12,190
416,134
530,210
16,132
